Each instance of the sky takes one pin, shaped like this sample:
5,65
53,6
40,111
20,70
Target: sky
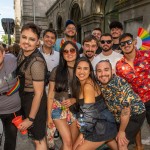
6,11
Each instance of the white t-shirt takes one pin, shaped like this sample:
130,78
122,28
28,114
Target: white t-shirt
113,58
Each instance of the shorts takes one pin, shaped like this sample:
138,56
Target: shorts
134,125
147,106
38,130
59,112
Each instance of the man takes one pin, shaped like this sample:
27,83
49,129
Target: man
116,30
127,107
106,44
97,32
51,56
134,67
52,59
10,103
89,46
70,33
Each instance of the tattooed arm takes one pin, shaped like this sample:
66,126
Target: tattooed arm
124,119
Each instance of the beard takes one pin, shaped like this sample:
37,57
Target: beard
115,37
89,56
106,50
103,82
69,36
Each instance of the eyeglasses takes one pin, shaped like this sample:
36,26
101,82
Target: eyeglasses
106,41
71,28
129,42
71,51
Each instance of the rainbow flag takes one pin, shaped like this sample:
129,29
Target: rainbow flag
144,36
14,89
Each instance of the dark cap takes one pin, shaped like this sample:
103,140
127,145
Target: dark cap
69,22
116,24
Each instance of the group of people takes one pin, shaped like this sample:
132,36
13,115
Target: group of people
106,79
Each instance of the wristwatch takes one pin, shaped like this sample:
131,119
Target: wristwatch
31,119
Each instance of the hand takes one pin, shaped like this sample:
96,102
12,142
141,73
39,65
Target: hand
25,124
81,139
78,124
121,138
68,102
50,123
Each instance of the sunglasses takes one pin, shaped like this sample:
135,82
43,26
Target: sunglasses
129,42
71,51
107,41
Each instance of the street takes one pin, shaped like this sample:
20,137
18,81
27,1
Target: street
23,143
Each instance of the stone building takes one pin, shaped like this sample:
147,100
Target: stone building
87,14
31,11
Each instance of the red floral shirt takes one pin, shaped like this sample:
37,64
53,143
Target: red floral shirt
139,76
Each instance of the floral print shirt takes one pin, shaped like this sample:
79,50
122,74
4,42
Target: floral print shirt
139,76
119,94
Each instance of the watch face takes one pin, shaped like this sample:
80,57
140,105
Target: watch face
31,119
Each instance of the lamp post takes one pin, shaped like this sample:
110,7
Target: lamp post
34,11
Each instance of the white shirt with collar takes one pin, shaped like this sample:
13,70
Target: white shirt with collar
52,59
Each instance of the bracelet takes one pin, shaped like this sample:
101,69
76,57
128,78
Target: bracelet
31,119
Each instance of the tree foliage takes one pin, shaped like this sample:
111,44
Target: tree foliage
5,39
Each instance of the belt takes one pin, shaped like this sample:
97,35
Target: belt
4,93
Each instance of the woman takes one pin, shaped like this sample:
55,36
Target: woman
61,109
100,125
9,97
31,70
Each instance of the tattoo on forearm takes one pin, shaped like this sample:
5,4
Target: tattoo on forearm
125,112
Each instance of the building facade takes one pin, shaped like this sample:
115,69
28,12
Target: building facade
31,11
87,14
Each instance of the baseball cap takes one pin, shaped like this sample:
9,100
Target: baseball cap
69,22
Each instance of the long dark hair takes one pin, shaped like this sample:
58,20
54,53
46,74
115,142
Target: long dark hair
76,83
61,80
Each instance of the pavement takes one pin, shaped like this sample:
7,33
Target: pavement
24,143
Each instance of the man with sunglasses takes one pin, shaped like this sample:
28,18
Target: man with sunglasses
106,43
135,68
69,35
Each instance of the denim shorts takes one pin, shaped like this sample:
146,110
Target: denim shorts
59,112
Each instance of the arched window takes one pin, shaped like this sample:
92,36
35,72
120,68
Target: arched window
75,15
51,25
